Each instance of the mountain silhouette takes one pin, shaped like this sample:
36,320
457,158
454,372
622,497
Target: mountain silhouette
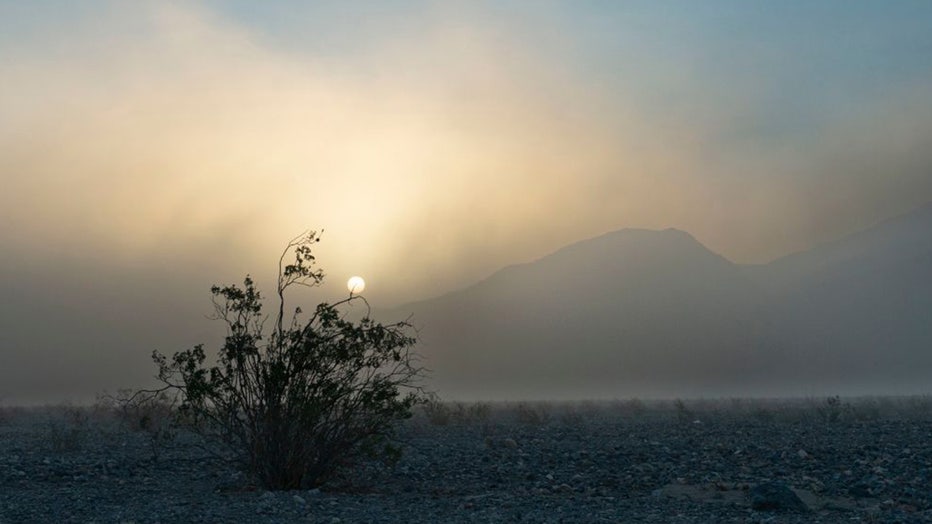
858,309
655,313
615,314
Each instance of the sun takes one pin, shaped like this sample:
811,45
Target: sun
355,285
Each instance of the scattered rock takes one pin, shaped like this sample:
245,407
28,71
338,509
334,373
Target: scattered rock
606,470
775,496
564,488
860,491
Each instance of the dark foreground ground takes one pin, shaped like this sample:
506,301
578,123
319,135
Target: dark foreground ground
863,461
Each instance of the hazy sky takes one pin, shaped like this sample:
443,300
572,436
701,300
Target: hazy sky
159,147
437,141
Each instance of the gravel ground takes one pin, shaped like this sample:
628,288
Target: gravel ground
516,463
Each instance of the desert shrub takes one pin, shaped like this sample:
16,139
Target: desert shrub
831,409
683,413
296,402
8,413
919,407
536,414
152,414
68,428
437,412
459,413
571,416
479,412
440,413
470,414
870,409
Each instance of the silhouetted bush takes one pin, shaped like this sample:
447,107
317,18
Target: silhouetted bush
296,402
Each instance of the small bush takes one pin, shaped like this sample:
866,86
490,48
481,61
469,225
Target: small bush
68,428
871,409
298,401
683,413
536,414
440,413
437,412
571,416
153,414
480,412
919,407
832,409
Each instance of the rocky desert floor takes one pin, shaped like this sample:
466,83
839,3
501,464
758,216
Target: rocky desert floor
804,460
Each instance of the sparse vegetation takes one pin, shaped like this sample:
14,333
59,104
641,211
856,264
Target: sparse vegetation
533,414
591,458
683,413
919,407
570,415
68,428
832,409
295,403
155,415
762,410
437,412
480,412
633,407
440,413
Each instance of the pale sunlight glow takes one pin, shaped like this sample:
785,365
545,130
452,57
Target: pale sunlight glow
355,285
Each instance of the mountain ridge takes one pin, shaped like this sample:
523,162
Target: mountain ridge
637,311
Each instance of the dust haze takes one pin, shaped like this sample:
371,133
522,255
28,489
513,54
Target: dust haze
149,150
